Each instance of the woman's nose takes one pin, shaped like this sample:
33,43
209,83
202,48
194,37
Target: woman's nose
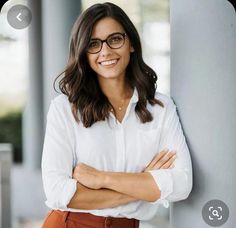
105,49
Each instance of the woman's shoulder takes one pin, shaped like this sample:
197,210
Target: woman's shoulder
164,98
61,99
60,112
61,104
168,102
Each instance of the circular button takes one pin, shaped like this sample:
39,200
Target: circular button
215,213
19,16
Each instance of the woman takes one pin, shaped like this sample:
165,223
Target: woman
105,159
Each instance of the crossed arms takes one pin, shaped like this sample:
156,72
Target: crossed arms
95,189
98,189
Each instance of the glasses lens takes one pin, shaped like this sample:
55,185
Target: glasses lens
94,46
115,41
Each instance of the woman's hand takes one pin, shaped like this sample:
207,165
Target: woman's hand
88,176
163,160
95,179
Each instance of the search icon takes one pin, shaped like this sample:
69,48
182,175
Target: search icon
215,213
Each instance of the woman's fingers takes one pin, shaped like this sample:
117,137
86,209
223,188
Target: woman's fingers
166,161
163,160
156,159
169,163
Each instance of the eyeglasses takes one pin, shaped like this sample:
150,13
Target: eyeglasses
114,41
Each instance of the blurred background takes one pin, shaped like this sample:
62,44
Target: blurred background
30,59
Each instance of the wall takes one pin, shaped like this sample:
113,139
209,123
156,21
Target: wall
203,57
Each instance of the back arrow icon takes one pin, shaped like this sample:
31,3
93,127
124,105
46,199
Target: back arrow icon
18,17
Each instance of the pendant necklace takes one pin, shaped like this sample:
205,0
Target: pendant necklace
120,107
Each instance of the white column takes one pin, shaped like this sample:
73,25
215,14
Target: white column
33,112
49,34
58,19
5,184
203,69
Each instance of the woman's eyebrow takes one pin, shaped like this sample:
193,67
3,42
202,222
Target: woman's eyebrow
96,38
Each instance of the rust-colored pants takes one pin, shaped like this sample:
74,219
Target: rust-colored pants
66,219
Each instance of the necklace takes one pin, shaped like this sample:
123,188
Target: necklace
122,105
119,107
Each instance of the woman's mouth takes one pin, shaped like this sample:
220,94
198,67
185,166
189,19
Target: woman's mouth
109,62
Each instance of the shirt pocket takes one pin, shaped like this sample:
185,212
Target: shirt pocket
147,145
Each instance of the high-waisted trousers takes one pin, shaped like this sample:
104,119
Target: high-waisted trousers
67,219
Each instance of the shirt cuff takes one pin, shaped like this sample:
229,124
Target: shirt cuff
164,182
68,191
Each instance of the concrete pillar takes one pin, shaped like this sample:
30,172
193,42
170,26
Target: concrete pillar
5,184
33,113
203,69
58,19
49,34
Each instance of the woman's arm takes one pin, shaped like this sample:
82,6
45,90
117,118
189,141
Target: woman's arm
138,185
131,186
89,199
176,183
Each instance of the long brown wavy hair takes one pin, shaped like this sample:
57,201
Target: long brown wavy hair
79,81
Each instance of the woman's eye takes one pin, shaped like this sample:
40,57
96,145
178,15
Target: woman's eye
115,39
93,44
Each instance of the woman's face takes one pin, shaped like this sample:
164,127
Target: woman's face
109,63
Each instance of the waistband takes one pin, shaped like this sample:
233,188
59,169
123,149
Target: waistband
84,217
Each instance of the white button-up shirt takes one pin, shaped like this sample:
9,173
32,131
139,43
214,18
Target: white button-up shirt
109,145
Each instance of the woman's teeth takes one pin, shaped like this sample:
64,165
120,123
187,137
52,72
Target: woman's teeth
109,62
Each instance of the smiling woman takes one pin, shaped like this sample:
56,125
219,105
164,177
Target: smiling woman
113,50
97,99
114,149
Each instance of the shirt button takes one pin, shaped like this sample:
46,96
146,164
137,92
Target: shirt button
108,222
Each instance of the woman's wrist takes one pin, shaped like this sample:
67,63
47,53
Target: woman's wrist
105,179
106,183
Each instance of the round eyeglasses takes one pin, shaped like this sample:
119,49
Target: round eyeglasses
114,41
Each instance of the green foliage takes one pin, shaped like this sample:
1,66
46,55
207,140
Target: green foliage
11,132
6,38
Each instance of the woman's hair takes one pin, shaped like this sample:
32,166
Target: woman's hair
80,82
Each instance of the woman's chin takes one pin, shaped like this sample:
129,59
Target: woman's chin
110,76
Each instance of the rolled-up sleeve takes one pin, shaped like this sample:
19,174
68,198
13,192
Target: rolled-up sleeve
57,161
175,184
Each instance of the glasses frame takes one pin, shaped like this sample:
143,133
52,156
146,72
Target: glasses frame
102,41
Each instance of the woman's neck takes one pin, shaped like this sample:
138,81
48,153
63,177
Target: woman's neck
115,89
